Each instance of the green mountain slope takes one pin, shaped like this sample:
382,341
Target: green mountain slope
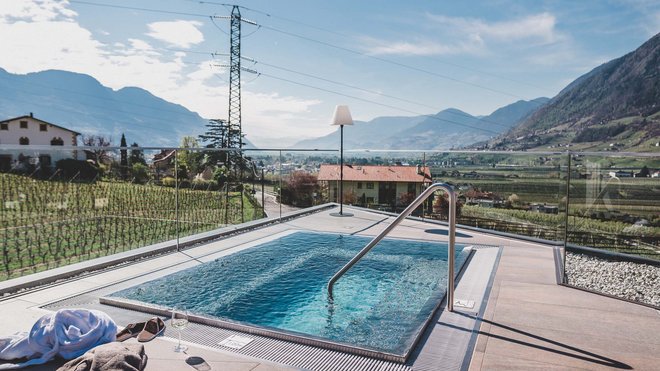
613,107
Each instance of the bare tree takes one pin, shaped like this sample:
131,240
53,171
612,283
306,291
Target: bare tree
98,154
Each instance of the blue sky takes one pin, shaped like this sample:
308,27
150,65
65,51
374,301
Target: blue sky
408,57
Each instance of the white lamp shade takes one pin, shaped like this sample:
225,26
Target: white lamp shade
342,116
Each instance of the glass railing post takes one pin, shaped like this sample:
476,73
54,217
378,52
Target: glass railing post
452,249
566,214
176,197
263,194
280,191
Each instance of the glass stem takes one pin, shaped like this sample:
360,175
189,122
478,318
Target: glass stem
179,338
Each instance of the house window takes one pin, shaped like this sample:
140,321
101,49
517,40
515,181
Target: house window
370,185
23,124
24,141
359,185
43,127
411,188
44,160
57,142
4,126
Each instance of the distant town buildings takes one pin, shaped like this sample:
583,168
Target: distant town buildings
30,131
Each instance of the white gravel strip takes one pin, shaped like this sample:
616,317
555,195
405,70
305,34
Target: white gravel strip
628,280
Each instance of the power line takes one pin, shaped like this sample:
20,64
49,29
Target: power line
334,32
100,97
275,16
137,8
389,61
348,50
376,103
114,120
463,114
216,26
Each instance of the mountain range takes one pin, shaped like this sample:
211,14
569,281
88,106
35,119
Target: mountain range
449,128
615,106
81,103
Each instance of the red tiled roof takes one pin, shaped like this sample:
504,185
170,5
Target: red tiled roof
371,173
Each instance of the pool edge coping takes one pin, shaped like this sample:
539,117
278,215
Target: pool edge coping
300,338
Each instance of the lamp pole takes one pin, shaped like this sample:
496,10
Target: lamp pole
341,170
341,117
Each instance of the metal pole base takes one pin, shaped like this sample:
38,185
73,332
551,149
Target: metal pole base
341,214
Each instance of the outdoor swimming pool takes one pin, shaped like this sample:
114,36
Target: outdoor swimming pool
381,304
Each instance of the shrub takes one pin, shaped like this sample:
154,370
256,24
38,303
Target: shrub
201,184
441,206
80,169
168,181
299,190
140,173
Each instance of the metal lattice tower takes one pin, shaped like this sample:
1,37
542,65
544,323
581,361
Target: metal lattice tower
235,78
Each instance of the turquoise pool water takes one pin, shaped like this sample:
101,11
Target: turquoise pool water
380,304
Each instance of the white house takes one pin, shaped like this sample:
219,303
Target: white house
30,131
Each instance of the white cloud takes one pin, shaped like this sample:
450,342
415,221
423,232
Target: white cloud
64,44
539,27
471,35
183,34
35,11
421,47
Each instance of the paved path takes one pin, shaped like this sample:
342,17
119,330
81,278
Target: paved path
272,206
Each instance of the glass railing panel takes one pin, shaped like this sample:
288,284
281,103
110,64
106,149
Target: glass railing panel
505,192
294,182
613,209
215,189
614,205
61,206
392,195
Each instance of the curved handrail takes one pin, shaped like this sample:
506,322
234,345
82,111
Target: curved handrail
408,210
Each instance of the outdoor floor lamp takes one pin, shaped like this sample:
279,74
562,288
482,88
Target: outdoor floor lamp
341,117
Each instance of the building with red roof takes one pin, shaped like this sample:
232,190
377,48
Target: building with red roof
375,184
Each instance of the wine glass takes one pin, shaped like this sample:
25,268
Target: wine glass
179,322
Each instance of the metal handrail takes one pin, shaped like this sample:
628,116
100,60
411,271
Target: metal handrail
452,239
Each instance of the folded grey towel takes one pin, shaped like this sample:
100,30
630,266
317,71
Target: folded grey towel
110,357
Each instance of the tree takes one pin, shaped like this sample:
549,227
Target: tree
513,200
406,198
299,189
97,154
441,206
219,134
137,156
644,173
216,136
123,158
140,173
191,160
